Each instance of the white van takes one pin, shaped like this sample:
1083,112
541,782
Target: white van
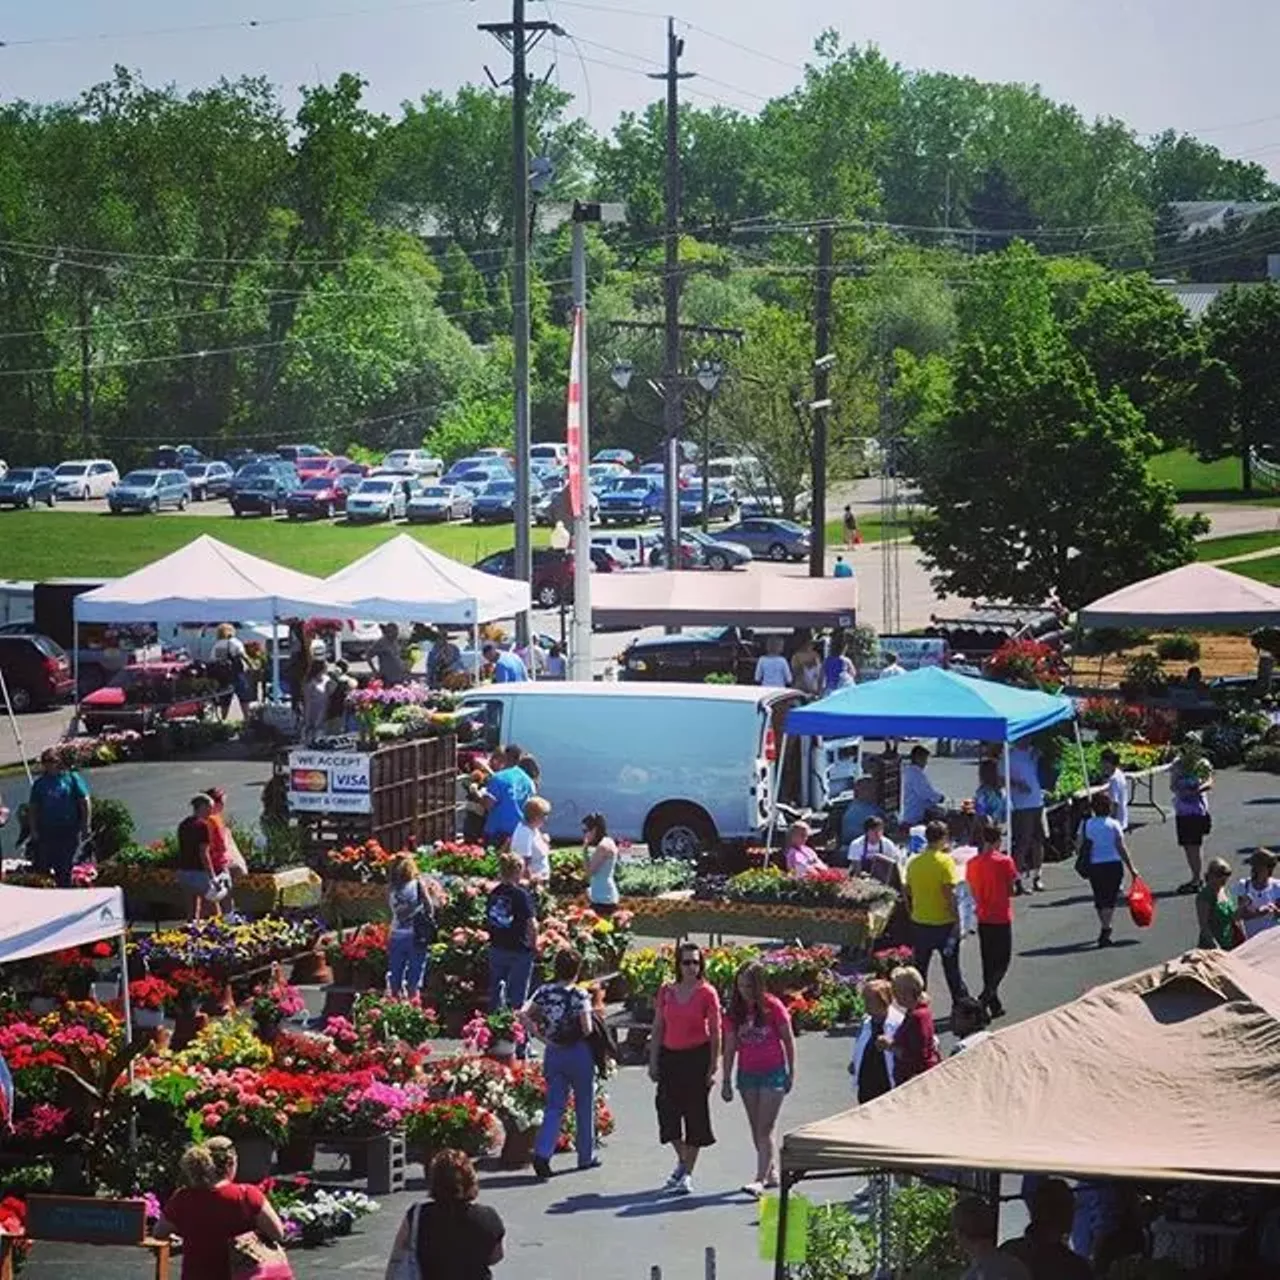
627,548
679,766
556,452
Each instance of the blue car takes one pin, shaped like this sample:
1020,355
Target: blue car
150,491
719,503
263,488
632,500
25,486
496,502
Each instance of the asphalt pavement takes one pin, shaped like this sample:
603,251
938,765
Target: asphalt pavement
550,1225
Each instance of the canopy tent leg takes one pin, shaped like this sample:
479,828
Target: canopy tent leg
1084,764
1008,803
882,1202
780,1244
75,668
127,1011
778,766
475,648
275,654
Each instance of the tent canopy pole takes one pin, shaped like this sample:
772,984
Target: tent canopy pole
773,799
1008,802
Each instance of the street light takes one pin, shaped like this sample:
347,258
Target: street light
621,373
709,374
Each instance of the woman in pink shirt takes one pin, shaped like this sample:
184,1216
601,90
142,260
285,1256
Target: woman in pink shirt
757,1031
684,1050
802,861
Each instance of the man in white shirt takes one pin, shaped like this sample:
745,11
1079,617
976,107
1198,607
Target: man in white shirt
1027,801
1258,894
919,795
1117,788
529,841
773,671
893,667
872,855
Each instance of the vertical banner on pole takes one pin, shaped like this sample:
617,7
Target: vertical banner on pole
573,426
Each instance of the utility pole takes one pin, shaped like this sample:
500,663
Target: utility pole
673,402
519,37
822,362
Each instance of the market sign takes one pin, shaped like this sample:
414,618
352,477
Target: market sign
329,782
917,651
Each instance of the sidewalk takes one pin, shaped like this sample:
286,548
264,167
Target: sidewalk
38,729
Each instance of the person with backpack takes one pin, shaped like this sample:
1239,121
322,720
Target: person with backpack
413,899
511,917
229,660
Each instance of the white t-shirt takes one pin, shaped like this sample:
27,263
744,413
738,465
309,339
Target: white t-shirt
773,671
1024,769
1106,834
1118,791
1258,898
533,847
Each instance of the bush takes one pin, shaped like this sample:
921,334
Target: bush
1266,640
1178,648
1111,640
1263,759
1143,676
113,827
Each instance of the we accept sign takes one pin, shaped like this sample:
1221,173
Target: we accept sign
329,782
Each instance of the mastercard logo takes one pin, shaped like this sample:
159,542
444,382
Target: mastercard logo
312,780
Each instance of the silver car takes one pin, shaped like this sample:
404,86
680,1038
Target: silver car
439,502
379,498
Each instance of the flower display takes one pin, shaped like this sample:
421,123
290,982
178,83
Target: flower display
224,945
226,1044
365,863
101,749
460,1123
152,993
385,1018
240,1104
312,1215
270,1003
486,1030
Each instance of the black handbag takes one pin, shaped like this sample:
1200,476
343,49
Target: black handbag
1084,858
425,928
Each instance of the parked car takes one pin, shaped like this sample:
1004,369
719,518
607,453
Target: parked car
150,491
718,553
696,653
317,498
599,471
236,458
208,479
684,766
173,457
622,457
690,552
552,574
630,549
554,504
292,452
326,466
556,451
25,486
495,451
720,502
776,539
494,469
263,488
420,461
36,670
4,468
85,478
439,502
632,500
496,502
379,497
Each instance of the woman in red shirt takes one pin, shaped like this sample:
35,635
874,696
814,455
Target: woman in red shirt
684,1048
212,1209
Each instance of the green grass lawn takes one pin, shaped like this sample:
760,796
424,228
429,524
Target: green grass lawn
1236,544
63,544
1265,569
1193,478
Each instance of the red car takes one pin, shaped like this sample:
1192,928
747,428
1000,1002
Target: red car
309,467
36,671
552,572
318,498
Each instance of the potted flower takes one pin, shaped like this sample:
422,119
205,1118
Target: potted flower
271,1003
497,1034
149,1000
456,1123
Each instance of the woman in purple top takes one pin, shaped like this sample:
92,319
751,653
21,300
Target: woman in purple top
1191,780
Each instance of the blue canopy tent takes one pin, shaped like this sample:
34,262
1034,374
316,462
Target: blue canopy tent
929,703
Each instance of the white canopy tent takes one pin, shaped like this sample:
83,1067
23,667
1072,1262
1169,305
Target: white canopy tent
207,581
1196,595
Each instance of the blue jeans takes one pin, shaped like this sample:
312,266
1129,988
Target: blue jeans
509,975
55,853
945,940
406,965
569,1067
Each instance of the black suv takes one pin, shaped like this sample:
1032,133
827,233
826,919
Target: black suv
697,653
262,487
36,671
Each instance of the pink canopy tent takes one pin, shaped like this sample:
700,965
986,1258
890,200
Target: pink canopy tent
1197,595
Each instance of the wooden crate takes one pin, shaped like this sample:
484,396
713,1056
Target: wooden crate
413,787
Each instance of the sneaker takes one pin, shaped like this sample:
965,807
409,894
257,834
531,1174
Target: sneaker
1191,886
676,1178
754,1189
1037,885
685,1186
1104,938
994,1008
542,1167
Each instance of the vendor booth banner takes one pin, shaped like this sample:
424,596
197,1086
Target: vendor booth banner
917,651
329,782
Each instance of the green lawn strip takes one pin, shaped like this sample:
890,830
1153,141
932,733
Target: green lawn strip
872,528
1236,544
62,544
1188,475
1266,569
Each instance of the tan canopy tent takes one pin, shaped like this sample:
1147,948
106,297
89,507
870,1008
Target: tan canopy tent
1170,1075
1197,595
688,599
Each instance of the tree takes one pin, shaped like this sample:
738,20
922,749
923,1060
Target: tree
1036,482
1243,332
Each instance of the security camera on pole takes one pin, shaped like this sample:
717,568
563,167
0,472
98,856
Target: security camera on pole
578,432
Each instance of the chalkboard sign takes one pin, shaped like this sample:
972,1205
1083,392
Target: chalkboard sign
84,1220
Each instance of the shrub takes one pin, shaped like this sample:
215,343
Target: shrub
113,827
1143,676
1179,647
1111,640
1263,759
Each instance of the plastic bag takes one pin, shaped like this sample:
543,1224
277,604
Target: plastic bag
1142,906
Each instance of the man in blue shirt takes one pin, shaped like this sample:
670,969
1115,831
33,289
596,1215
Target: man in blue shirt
59,813
842,568
506,792
508,668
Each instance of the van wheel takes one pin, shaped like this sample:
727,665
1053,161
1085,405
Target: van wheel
679,831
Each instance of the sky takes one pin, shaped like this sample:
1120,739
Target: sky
1156,64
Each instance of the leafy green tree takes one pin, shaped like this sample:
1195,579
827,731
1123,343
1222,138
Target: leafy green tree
1036,482
1243,332
1184,168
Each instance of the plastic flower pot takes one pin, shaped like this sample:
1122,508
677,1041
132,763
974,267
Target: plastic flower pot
254,1158
502,1050
298,1155
311,969
517,1148
148,1019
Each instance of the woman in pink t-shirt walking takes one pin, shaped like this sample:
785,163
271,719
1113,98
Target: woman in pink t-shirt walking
757,1031
684,1052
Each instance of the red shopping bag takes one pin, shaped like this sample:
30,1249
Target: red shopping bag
1142,906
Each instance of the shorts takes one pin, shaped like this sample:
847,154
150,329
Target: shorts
1105,879
766,1081
1192,827
195,882
684,1103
